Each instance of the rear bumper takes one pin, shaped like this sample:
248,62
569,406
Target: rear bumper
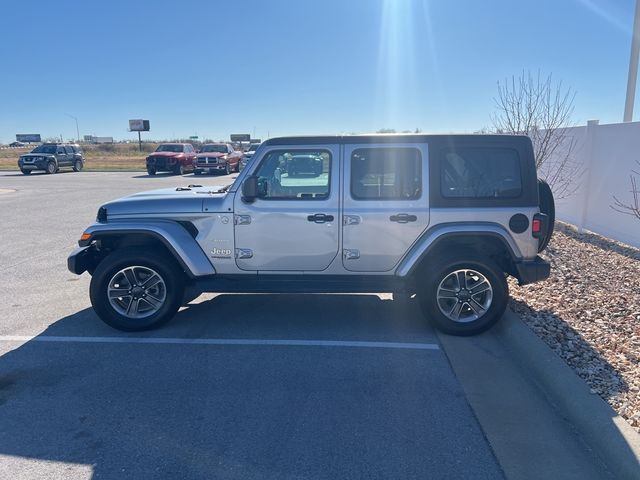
80,260
532,271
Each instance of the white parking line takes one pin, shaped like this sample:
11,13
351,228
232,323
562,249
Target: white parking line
221,341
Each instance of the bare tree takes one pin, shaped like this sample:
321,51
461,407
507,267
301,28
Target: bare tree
632,208
541,108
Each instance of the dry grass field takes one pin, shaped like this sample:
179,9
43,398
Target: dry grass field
117,156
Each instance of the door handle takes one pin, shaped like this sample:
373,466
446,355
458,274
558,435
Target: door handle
403,218
320,218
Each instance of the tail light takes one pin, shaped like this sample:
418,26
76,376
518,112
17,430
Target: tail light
539,225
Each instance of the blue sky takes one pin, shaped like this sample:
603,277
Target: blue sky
298,67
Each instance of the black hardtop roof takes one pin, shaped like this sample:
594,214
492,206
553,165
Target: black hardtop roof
393,138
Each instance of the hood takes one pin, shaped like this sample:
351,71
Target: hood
37,155
157,203
165,154
211,155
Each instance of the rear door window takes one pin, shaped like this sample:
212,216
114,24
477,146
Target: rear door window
386,173
480,173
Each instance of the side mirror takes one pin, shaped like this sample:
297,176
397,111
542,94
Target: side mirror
250,189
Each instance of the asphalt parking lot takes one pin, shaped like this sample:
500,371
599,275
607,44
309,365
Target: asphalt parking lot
237,386
247,386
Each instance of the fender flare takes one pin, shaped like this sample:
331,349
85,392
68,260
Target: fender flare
184,248
433,236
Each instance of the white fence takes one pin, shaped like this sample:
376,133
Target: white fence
608,154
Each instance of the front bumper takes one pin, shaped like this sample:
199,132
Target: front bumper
211,167
37,165
532,271
80,260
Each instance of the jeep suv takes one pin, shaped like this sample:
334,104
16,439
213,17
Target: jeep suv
50,157
444,218
171,157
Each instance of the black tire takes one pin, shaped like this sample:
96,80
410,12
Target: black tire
26,172
77,165
197,172
439,271
51,167
178,169
227,170
548,207
151,171
167,269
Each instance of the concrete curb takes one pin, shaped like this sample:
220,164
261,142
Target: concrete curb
594,420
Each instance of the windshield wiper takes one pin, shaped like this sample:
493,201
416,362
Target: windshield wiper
225,188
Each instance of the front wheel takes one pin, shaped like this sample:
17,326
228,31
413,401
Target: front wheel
151,171
26,172
136,289
227,170
51,168
464,296
179,169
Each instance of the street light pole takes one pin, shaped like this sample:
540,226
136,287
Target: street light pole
77,129
633,66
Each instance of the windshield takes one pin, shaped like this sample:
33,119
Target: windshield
214,148
45,149
170,148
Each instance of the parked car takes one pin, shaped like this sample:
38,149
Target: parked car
50,157
17,144
304,165
444,217
248,154
217,157
171,157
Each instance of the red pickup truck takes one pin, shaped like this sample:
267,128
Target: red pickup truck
171,157
217,157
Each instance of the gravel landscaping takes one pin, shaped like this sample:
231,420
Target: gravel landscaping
588,312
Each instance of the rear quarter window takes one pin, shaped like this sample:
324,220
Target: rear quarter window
480,173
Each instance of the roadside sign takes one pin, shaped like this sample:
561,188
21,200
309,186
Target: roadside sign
255,140
139,125
240,137
193,137
28,137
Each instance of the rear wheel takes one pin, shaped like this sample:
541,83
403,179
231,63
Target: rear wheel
464,296
548,207
136,289
51,167
77,165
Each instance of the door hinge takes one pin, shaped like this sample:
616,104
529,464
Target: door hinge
242,219
350,254
351,220
244,253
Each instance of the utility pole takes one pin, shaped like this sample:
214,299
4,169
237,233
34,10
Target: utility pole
633,66
77,129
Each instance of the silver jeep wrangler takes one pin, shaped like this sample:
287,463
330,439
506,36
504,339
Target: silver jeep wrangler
443,217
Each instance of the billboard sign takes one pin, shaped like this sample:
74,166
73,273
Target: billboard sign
139,125
255,140
28,137
240,137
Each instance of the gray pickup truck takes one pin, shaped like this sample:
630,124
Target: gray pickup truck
444,218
